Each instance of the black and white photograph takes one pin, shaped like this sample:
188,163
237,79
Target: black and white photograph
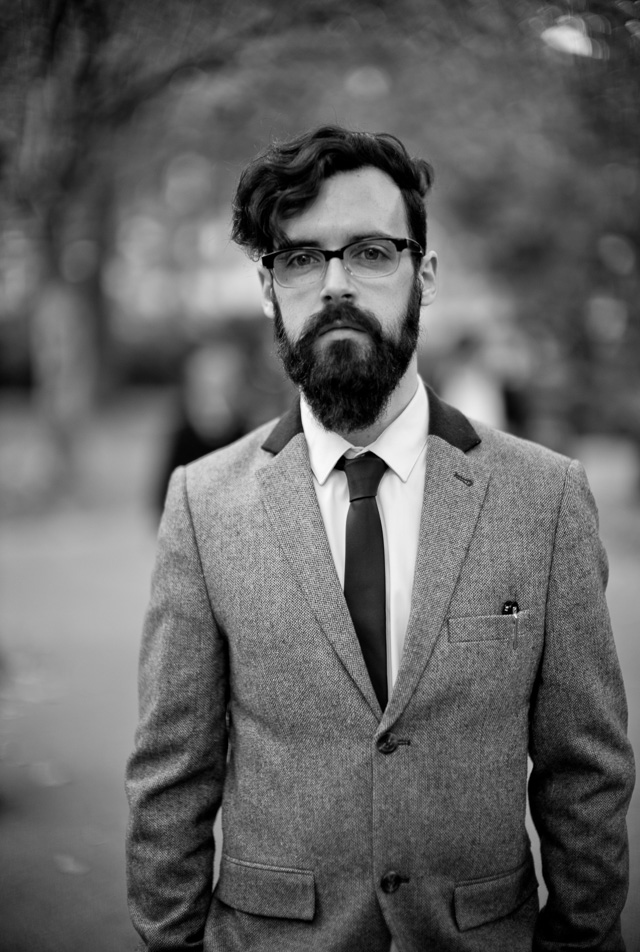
319,475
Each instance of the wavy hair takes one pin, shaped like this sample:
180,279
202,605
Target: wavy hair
287,176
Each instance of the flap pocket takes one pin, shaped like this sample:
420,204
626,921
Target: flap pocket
484,900
275,891
486,627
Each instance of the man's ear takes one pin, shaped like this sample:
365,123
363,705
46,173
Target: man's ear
427,275
266,287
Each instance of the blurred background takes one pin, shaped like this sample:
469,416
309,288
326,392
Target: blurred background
131,336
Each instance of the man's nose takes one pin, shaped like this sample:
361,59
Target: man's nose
337,284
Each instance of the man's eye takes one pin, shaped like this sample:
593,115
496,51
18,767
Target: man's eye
300,260
372,253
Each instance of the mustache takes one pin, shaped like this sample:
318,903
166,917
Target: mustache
340,315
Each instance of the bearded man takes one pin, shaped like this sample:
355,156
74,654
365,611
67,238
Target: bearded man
364,619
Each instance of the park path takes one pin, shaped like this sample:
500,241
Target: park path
73,587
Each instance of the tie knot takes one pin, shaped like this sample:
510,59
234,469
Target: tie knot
363,474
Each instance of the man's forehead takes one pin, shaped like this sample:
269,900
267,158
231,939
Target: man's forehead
350,205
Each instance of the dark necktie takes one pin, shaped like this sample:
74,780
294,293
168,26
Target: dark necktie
364,576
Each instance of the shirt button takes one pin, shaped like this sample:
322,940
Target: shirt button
387,743
391,881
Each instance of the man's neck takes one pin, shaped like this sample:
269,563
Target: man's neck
400,398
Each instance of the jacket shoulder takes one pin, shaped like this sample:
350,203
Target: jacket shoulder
237,456
507,452
226,478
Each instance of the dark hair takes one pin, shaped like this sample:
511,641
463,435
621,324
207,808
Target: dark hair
287,176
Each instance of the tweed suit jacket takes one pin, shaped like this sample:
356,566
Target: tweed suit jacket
343,825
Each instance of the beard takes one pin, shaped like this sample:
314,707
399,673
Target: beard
348,383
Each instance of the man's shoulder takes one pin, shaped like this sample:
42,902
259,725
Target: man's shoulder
225,481
507,453
240,457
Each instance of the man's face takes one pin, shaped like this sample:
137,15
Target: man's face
348,341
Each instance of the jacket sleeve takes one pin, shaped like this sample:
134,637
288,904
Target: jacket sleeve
176,772
582,775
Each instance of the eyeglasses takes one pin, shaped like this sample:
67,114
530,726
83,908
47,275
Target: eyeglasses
367,258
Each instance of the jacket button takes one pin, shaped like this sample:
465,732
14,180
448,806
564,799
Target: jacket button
387,743
391,881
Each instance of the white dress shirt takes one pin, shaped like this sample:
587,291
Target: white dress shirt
403,447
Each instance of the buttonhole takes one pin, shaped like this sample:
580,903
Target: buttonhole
406,743
463,479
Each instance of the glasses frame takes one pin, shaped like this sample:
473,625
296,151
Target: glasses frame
401,244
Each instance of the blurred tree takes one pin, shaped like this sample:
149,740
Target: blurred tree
77,72
565,230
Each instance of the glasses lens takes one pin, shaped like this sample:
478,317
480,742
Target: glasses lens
375,256
298,267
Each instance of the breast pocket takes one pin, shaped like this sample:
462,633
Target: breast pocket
488,628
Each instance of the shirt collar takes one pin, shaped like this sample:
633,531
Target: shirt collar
399,445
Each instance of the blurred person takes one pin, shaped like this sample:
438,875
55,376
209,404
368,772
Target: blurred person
356,680
514,365
471,386
209,415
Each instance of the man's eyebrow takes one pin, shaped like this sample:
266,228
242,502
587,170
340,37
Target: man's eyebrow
314,243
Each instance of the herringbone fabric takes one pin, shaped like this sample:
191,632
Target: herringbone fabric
254,698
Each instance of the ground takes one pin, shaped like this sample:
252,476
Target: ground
74,582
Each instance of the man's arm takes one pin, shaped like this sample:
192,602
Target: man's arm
176,772
582,775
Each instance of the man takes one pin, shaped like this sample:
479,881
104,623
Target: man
352,654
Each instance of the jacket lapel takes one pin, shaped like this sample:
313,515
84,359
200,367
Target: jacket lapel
455,487
290,500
